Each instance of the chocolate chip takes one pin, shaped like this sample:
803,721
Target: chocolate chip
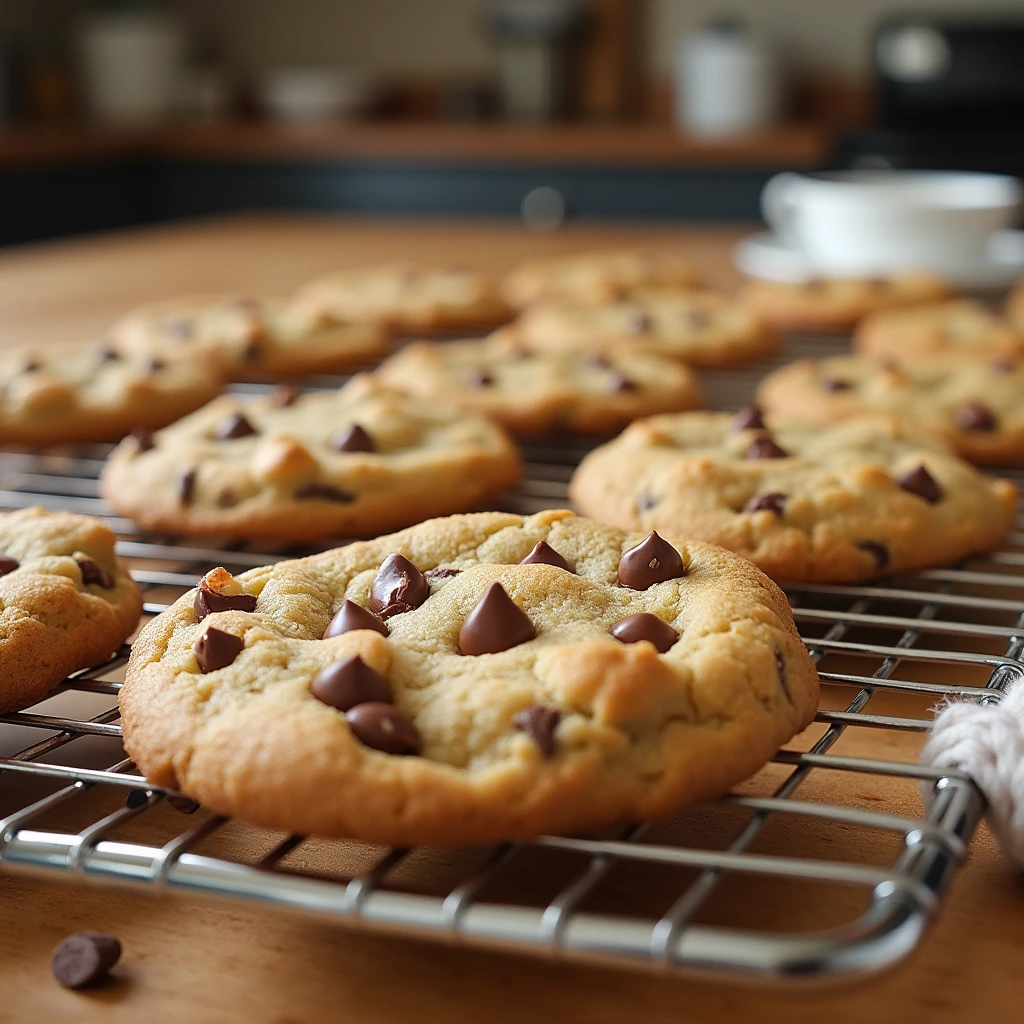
646,502
480,379
975,416
135,799
780,668
143,440
620,383
644,626
920,482
234,426
216,649
284,395
877,550
638,322
652,561
769,501
765,448
180,328
696,318
208,601
154,365
324,492
835,384
183,804
8,564
354,439
351,617
109,355
1004,366
84,958
441,574
496,624
32,366
544,554
187,486
93,573
252,352
383,727
227,499
345,684
398,587
599,359
749,418
539,723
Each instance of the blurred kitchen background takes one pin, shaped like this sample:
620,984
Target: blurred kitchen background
134,111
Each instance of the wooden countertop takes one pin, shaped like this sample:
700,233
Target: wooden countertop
217,961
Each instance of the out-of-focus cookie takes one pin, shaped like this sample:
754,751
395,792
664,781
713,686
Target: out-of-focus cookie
701,328
66,603
973,405
470,680
298,467
594,278
805,503
534,392
823,304
1015,307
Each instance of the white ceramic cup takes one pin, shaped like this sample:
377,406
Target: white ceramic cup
870,222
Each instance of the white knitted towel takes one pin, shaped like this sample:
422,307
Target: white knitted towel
987,740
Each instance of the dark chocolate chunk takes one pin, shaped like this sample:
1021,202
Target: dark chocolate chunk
8,564
441,574
234,426
620,383
135,799
187,486
920,482
644,626
349,682
84,958
769,501
835,384
975,416
143,440
324,492
480,379
398,587
749,418
208,601
496,624
284,394
93,573
544,554
765,448
350,617
354,439
383,727
216,649
638,322
878,551
652,561
539,723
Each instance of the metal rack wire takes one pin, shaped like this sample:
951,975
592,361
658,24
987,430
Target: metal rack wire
823,865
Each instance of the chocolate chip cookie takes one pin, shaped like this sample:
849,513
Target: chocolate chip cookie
537,392
823,304
472,679
824,504
407,297
976,406
297,467
1015,306
66,602
98,391
594,278
701,328
253,336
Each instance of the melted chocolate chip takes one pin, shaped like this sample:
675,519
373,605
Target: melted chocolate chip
84,958
835,384
749,418
976,416
480,379
143,440
233,427
441,574
638,323
187,486
496,624
644,626
93,573
765,448
284,395
920,482
383,727
345,684
354,439
544,554
539,723
878,551
398,587
324,492
769,501
216,649
208,601
652,561
620,383
8,564
351,617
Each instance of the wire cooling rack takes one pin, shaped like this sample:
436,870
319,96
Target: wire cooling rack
825,864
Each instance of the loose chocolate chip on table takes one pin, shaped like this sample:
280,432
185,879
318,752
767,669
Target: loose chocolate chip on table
975,416
208,601
187,486
233,427
216,649
347,683
620,383
644,626
544,554
920,482
652,561
383,727
84,958
354,439
480,379
539,723
325,492
8,564
93,573
441,574
351,617
638,323
835,384
398,587
284,394
877,550
749,418
769,501
765,448
143,440
496,624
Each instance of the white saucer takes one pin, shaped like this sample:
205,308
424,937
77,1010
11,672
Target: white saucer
765,255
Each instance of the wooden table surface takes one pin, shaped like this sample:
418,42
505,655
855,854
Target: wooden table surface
188,961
